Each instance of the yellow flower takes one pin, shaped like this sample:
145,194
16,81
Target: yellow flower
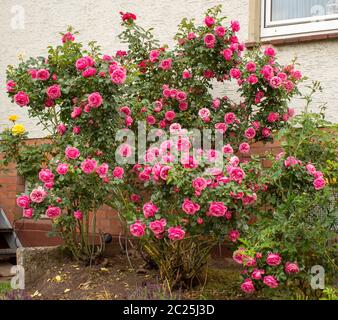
18,129
13,117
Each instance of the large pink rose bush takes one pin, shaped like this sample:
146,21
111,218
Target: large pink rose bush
180,193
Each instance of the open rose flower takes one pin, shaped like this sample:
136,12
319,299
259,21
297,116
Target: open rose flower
53,212
137,229
23,201
21,99
291,267
190,207
158,226
176,233
38,195
247,286
149,210
273,259
72,153
270,281
217,209
88,166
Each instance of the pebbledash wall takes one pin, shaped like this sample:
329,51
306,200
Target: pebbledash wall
29,26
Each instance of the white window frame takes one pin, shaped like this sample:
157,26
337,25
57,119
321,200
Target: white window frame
295,27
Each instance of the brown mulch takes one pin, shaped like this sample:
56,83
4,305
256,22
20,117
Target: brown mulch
115,279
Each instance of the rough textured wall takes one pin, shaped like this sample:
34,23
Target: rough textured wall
100,20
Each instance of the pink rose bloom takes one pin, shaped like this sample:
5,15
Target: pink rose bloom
270,52
204,113
250,133
227,54
149,209
235,26
190,207
217,209
227,149
199,184
290,161
118,172
166,64
28,213
235,73
62,168
252,79
209,21
296,74
54,92
90,72
81,63
135,198
61,129
21,99
42,74
257,274
319,183
311,169
154,55
318,174
270,281
170,115
46,175
230,118
220,31
186,74
38,195
49,185
266,132
267,72
164,172
181,96
102,170
88,166
10,85
244,148
158,226
137,229
238,255
77,111
221,127
53,212
247,286
250,66
119,76
67,37
176,233
72,153
32,73
237,174
78,215
191,36
273,117
273,259
291,267
275,82
23,201
209,40
234,235
94,100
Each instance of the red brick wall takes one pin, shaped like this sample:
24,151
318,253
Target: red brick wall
33,233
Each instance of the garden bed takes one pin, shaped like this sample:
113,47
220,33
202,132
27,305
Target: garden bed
115,279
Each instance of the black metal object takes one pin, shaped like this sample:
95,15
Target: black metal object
9,241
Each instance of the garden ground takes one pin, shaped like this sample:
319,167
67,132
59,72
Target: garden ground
114,278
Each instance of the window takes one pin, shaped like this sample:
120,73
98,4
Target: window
296,17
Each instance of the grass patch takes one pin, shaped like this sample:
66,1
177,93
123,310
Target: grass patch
5,287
